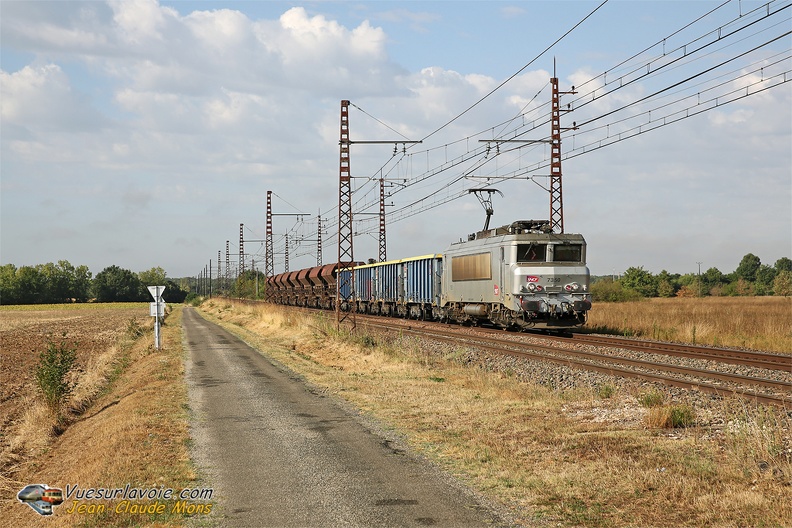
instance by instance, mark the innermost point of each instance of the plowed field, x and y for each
(26, 330)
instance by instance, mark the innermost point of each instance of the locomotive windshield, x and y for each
(531, 252)
(567, 253)
(557, 253)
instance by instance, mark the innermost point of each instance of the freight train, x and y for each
(518, 276)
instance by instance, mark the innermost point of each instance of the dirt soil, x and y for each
(25, 332)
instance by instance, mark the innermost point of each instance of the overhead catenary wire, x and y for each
(432, 198)
(683, 81)
(668, 103)
(515, 74)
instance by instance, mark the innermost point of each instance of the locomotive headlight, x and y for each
(573, 287)
(531, 287)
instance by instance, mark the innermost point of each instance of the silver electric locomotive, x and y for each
(519, 275)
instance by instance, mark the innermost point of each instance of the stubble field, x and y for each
(124, 423)
(25, 333)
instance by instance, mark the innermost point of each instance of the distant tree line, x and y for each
(63, 283)
(750, 278)
(250, 284)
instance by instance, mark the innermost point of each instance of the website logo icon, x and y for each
(40, 497)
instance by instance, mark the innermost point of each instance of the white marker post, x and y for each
(157, 310)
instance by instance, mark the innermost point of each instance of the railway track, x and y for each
(749, 358)
(610, 359)
(766, 390)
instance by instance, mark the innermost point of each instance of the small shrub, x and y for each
(606, 391)
(607, 290)
(55, 363)
(682, 416)
(134, 330)
(193, 299)
(651, 399)
(367, 341)
(670, 416)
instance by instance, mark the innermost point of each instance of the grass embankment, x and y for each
(125, 423)
(760, 323)
(555, 458)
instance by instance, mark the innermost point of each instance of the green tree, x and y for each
(765, 276)
(68, 283)
(741, 287)
(608, 290)
(712, 279)
(60, 281)
(667, 284)
(114, 284)
(748, 267)
(8, 284)
(782, 285)
(783, 264)
(665, 288)
(246, 285)
(173, 293)
(689, 281)
(81, 283)
(640, 280)
(44, 283)
(31, 285)
(153, 277)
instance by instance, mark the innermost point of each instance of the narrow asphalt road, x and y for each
(277, 453)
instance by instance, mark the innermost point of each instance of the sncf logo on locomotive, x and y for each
(531, 278)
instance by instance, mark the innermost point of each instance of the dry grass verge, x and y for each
(760, 323)
(127, 424)
(555, 458)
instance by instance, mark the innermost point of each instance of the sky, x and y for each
(142, 134)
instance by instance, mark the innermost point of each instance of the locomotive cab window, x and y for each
(567, 253)
(531, 252)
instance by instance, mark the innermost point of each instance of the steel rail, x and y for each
(732, 378)
(724, 355)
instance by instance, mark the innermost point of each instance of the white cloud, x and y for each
(741, 115)
(222, 30)
(141, 21)
(418, 21)
(42, 96)
(231, 110)
(144, 108)
(512, 11)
